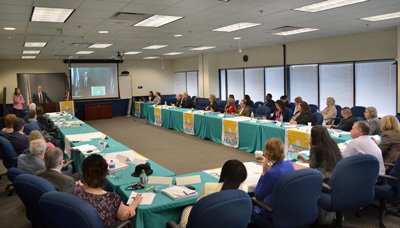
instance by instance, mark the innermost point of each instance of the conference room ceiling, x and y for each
(200, 17)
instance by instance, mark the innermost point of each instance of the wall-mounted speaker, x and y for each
(245, 58)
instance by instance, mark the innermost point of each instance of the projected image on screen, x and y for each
(94, 80)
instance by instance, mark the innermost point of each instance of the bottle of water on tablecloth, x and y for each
(289, 153)
(143, 178)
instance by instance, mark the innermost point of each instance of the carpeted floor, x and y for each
(176, 151)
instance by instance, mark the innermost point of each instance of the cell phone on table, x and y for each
(190, 187)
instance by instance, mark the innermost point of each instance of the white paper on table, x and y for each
(377, 137)
(85, 148)
(253, 175)
(290, 125)
(266, 121)
(130, 154)
(195, 179)
(147, 198)
(240, 118)
(345, 132)
(214, 172)
(306, 152)
(160, 180)
(303, 164)
(138, 161)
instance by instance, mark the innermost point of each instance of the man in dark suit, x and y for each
(242, 110)
(186, 101)
(53, 162)
(40, 97)
(32, 123)
(17, 138)
(346, 123)
(270, 103)
(178, 100)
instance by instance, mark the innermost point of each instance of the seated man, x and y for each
(32, 106)
(363, 144)
(17, 138)
(9, 123)
(186, 101)
(178, 100)
(242, 110)
(53, 162)
(346, 123)
(32, 123)
(33, 161)
(269, 102)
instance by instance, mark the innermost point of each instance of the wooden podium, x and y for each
(52, 107)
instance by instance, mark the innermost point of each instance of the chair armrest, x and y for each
(172, 224)
(261, 204)
(389, 164)
(326, 187)
(388, 177)
(123, 224)
(70, 162)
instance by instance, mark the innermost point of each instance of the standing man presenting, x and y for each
(40, 97)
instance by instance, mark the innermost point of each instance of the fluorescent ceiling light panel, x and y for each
(25, 52)
(84, 52)
(326, 5)
(151, 57)
(103, 32)
(178, 35)
(296, 31)
(44, 14)
(100, 45)
(28, 57)
(35, 44)
(174, 53)
(382, 17)
(132, 52)
(235, 27)
(156, 46)
(157, 21)
(9, 28)
(237, 38)
(202, 48)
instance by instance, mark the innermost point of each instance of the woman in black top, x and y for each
(305, 114)
(213, 104)
(249, 102)
(151, 96)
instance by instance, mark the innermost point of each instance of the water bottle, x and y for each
(323, 124)
(165, 103)
(111, 167)
(252, 115)
(289, 152)
(143, 178)
(102, 145)
(281, 118)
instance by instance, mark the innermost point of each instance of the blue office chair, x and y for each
(8, 153)
(318, 117)
(398, 117)
(338, 115)
(221, 106)
(257, 104)
(29, 189)
(290, 112)
(228, 208)
(237, 103)
(262, 111)
(389, 192)
(295, 194)
(25, 112)
(12, 173)
(202, 104)
(351, 185)
(251, 109)
(292, 106)
(358, 111)
(314, 108)
(65, 210)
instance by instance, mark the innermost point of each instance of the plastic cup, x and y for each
(258, 154)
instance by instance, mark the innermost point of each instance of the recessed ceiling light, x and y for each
(157, 21)
(132, 52)
(9, 28)
(156, 46)
(28, 57)
(202, 48)
(72, 57)
(382, 17)
(296, 31)
(100, 45)
(103, 32)
(235, 27)
(35, 44)
(44, 14)
(178, 35)
(84, 52)
(174, 53)
(151, 57)
(30, 52)
(326, 5)
(237, 38)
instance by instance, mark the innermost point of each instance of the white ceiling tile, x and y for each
(200, 5)
(101, 5)
(14, 9)
(178, 11)
(158, 2)
(70, 4)
(142, 8)
(85, 13)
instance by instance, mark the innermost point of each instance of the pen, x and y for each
(149, 188)
(189, 193)
(89, 151)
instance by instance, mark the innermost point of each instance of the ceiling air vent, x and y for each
(129, 16)
(286, 28)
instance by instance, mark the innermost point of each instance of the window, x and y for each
(304, 82)
(274, 82)
(222, 85)
(187, 82)
(235, 83)
(376, 86)
(254, 83)
(336, 80)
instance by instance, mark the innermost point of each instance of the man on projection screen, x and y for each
(40, 97)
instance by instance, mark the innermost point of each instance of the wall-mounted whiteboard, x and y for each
(125, 87)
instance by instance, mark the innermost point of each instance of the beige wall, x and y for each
(185, 64)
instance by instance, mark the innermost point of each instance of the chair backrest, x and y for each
(358, 111)
(263, 111)
(13, 172)
(290, 112)
(66, 210)
(314, 108)
(296, 195)
(251, 109)
(29, 189)
(228, 208)
(8, 153)
(221, 106)
(396, 173)
(353, 181)
(339, 111)
(292, 106)
(257, 104)
(318, 117)
(398, 117)
(237, 103)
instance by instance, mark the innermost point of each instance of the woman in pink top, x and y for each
(18, 101)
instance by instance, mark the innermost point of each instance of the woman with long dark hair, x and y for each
(18, 102)
(151, 96)
(324, 152)
(280, 109)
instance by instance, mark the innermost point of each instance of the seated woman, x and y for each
(280, 110)
(151, 97)
(324, 152)
(37, 135)
(233, 174)
(296, 112)
(248, 100)
(213, 104)
(329, 113)
(390, 139)
(157, 99)
(230, 107)
(108, 205)
(372, 119)
(273, 168)
(305, 114)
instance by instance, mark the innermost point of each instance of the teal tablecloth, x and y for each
(163, 208)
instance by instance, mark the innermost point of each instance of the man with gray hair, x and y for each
(186, 101)
(363, 144)
(178, 101)
(53, 160)
(40, 97)
(33, 161)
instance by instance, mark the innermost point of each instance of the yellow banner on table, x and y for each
(188, 123)
(230, 133)
(298, 140)
(137, 109)
(157, 116)
(67, 106)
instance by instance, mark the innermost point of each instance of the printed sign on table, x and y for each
(230, 133)
(137, 109)
(157, 116)
(299, 140)
(67, 106)
(188, 123)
